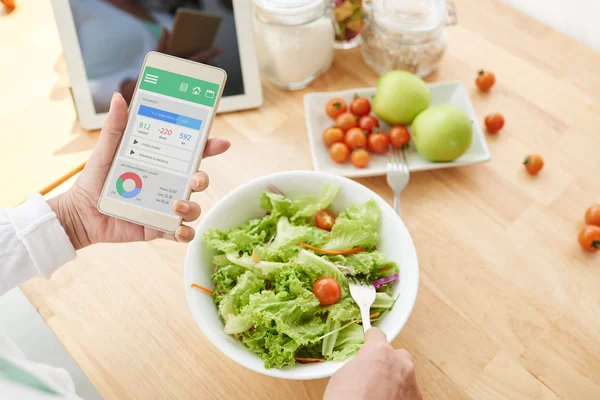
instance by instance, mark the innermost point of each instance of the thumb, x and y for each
(112, 131)
(375, 335)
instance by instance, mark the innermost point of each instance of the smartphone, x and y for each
(193, 31)
(170, 116)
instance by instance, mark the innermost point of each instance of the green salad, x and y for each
(280, 280)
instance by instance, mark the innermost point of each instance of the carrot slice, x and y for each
(374, 315)
(202, 288)
(333, 252)
(385, 268)
(308, 360)
(255, 257)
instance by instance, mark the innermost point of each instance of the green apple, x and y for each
(400, 97)
(442, 133)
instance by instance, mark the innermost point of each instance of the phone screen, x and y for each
(169, 118)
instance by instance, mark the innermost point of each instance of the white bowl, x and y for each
(241, 205)
(441, 93)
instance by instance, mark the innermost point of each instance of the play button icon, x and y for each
(135, 141)
(131, 152)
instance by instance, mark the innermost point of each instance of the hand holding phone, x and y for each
(170, 117)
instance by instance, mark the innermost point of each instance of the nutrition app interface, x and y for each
(168, 120)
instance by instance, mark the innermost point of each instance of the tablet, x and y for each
(105, 43)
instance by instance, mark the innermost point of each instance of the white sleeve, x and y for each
(32, 243)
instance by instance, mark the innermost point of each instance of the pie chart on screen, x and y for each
(129, 185)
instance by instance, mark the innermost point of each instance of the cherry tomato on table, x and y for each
(332, 135)
(494, 122)
(589, 238)
(360, 158)
(367, 123)
(355, 138)
(335, 107)
(378, 142)
(592, 215)
(324, 220)
(360, 106)
(485, 80)
(399, 136)
(327, 290)
(339, 152)
(534, 163)
(345, 121)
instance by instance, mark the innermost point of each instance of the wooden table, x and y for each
(508, 304)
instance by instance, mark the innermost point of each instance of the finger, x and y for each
(112, 131)
(375, 335)
(184, 234)
(188, 210)
(214, 147)
(163, 40)
(404, 355)
(199, 181)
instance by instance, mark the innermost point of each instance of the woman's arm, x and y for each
(32, 243)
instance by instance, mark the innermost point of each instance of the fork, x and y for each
(398, 174)
(364, 296)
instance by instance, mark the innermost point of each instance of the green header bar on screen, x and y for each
(179, 86)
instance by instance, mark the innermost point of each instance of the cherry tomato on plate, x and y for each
(367, 123)
(345, 121)
(332, 135)
(360, 106)
(485, 80)
(355, 138)
(360, 158)
(324, 219)
(399, 136)
(589, 238)
(534, 163)
(327, 290)
(592, 215)
(335, 107)
(494, 122)
(378, 142)
(339, 152)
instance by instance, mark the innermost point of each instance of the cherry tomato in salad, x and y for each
(360, 106)
(399, 136)
(378, 142)
(592, 215)
(335, 107)
(355, 138)
(346, 121)
(360, 158)
(324, 220)
(327, 290)
(485, 80)
(339, 152)
(589, 238)
(367, 123)
(494, 122)
(332, 135)
(534, 163)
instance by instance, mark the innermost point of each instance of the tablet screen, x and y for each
(115, 36)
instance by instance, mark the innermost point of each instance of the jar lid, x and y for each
(410, 15)
(290, 6)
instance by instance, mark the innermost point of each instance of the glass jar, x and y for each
(348, 23)
(294, 40)
(407, 35)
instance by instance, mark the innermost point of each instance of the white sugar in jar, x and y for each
(294, 40)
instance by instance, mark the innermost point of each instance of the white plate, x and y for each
(241, 205)
(441, 93)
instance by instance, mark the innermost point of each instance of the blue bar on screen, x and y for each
(173, 118)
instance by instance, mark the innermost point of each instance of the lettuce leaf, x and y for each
(307, 207)
(347, 234)
(367, 214)
(285, 245)
(243, 238)
(325, 267)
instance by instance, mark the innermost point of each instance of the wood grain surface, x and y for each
(508, 304)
